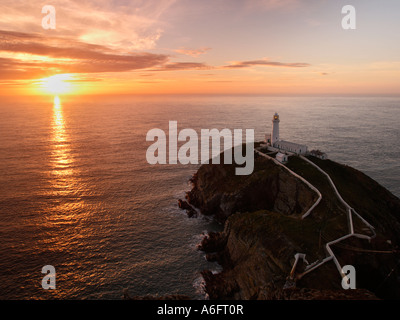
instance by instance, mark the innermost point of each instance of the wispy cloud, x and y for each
(28, 54)
(193, 52)
(272, 4)
(60, 55)
(265, 62)
(180, 66)
(176, 66)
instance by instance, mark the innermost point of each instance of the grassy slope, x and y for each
(264, 233)
(329, 219)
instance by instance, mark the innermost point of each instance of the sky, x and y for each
(279, 47)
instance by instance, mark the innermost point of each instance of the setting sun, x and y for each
(57, 84)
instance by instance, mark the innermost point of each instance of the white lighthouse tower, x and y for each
(275, 129)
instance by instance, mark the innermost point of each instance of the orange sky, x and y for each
(200, 47)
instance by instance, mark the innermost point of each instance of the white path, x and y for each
(350, 212)
(351, 233)
(299, 177)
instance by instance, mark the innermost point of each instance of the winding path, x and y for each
(351, 233)
(299, 177)
(350, 212)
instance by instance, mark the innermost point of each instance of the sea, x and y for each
(77, 192)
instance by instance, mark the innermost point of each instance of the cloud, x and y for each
(12, 69)
(129, 24)
(60, 55)
(179, 66)
(176, 66)
(265, 62)
(32, 56)
(193, 52)
(36, 55)
(272, 4)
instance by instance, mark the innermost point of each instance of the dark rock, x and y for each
(271, 292)
(212, 242)
(191, 212)
(217, 288)
(218, 191)
(212, 257)
(263, 230)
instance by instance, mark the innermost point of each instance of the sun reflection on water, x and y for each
(61, 153)
(66, 185)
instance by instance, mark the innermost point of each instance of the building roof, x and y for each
(317, 152)
(281, 157)
(287, 144)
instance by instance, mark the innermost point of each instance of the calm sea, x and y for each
(77, 193)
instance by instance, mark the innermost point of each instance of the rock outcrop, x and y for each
(218, 191)
(191, 212)
(263, 230)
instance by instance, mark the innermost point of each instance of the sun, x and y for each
(57, 84)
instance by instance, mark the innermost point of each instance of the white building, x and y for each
(281, 157)
(291, 147)
(319, 154)
(274, 140)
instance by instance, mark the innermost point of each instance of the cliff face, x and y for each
(254, 253)
(264, 230)
(218, 191)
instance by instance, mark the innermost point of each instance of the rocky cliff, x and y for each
(218, 191)
(263, 230)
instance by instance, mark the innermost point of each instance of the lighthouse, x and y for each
(275, 129)
(276, 143)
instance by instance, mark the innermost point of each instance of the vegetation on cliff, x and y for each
(264, 230)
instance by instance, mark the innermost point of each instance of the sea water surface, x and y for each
(76, 191)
